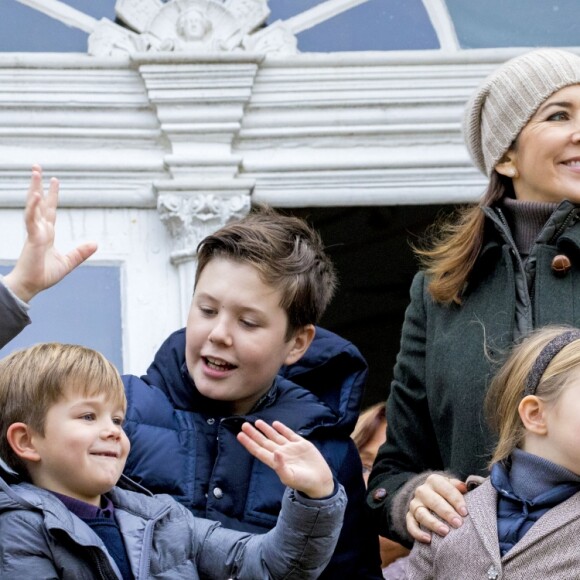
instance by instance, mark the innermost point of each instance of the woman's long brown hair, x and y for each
(454, 244)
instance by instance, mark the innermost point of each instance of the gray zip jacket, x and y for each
(42, 539)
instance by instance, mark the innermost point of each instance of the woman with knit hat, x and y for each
(503, 268)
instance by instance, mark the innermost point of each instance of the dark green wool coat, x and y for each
(449, 353)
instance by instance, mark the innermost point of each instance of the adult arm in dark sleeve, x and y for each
(13, 315)
(411, 451)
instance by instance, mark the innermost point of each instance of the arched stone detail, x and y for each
(190, 26)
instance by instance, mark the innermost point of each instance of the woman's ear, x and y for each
(21, 439)
(532, 412)
(301, 340)
(507, 165)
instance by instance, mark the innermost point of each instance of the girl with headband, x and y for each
(523, 519)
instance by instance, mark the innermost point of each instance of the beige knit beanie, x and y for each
(508, 98)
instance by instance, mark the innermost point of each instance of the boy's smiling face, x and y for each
(83, 451)
(236, 335)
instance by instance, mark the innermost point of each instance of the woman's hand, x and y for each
(439, 495)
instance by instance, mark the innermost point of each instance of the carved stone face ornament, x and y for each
(188, 25)
(193, 26)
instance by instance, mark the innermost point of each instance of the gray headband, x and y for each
(545, 358)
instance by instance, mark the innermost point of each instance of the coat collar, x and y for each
(553, 520)
(557, 230)
(482, 506)
(332, 370)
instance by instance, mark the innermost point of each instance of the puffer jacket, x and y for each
(449, 353)
(42, 539)
(182, 444)
(13, 315)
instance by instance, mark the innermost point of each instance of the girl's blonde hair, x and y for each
(507, 387)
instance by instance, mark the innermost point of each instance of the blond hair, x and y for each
(507, 387)
(35, 378)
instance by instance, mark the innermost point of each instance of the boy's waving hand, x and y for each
(297, 462)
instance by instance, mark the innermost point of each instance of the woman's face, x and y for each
(547, 152)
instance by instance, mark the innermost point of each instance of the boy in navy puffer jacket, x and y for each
(250, 351)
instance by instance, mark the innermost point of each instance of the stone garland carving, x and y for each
(191, 218)
(191, 25)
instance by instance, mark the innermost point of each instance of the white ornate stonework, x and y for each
(190, 26)
(192, 214)
(190, 218)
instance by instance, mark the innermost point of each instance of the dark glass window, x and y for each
(85, 308)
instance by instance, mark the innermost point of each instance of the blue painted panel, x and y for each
(85, 308)
(497, 23)
(23, 29)
(375, 25)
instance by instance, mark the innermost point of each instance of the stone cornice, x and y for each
(304, 130)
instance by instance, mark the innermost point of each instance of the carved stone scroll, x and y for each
(190, 218)
(184, 26)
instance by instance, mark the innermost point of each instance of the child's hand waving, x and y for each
(297, 462)
(41, 265)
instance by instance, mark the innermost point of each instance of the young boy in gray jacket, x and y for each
(62, 515)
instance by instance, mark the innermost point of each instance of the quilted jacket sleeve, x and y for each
(299, 546)
(24, 551)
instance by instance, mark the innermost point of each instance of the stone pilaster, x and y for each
(191, 211)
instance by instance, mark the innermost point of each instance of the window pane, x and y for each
(85, 308)
(375, 25)
(497, 23)
(23, 29)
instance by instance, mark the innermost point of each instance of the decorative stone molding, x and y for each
(200, 106)
(190, 26)
(190, 217)
(191, 210)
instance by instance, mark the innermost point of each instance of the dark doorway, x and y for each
(371, 248)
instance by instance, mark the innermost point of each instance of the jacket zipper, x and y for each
(572, 215)
(98, 558)
(529, 291)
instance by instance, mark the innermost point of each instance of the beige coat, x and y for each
(549, 551)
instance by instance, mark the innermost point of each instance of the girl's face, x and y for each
(561, 441)
(547, 153)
